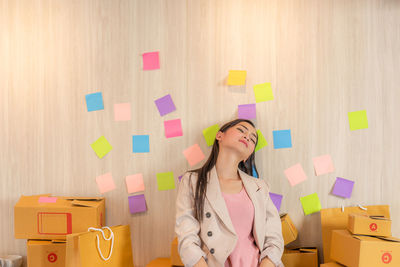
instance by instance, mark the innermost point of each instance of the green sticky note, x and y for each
(210, 133)
(358, 120)
(311, 204)
(165, 181)
(263, 92)
(262, 142)
(101, 146)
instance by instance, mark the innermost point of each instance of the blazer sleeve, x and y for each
(187, 227)
(273, 242)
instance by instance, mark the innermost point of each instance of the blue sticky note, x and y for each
(140, 144)
(282, 139)
(94, 101)
(254, 172)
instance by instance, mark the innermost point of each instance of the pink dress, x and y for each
(241, 211)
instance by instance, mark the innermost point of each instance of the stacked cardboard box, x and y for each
(45, 222)
(366, 242)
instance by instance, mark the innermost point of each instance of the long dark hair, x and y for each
(248, 166)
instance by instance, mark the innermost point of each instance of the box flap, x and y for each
(85, 203)
(85, 198)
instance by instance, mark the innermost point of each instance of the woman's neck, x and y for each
(227, 166)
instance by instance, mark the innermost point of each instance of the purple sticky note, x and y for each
(47, 199)
(165, 105)
(151, 61)
(276, 199)
(343, 187)
(137, 203)
(180, 177)
(247, 112)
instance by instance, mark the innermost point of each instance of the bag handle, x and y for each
(98, 242)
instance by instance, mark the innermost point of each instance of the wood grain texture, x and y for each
(323, 58)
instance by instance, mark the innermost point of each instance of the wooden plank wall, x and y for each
(323, 59)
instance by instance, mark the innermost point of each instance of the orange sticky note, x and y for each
(105, 183)
(237, 77)
(122, 112)
(134, 183)
(295, 174)
(193, 154)
(323, 164)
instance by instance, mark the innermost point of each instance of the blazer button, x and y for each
(209, 233)
(208, 215)
(212, 251)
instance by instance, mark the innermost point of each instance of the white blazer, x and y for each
(215, 238)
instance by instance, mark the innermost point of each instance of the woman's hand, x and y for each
(201, 263)
(266, 262)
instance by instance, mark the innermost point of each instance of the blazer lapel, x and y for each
(216, 200)
(252, 189)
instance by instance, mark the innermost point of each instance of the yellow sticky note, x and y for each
(101, 146)
(263, 92)
(310, 203)
(262, 142)
(165, 181)
(237, 77)
(210, 133)
(358, 120)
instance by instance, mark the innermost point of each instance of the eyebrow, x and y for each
(248, 129)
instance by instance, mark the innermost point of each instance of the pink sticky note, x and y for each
(295, 174)
(193, 154)
(323, 164)
(47, 199)
(105, 183)
(151, 61)
(122, 112)
(134, 183)
(173, 128)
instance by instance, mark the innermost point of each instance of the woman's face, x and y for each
(241, 137)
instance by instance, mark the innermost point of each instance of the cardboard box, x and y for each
(160, 262)
(289, 232)
(362, 224)
(301, 257)
(46, 253)
(331, 264)
(175, 258)
(44, 220)
(364, 251)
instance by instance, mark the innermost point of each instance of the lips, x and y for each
(244, 142)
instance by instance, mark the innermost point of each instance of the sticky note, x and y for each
(282, 139)
(151, 61)
(193, 154)
(263, 92)
(173, 128)
(134, 183)
(261, 142)
(209, 134)
(237, 77)
(137, 203)
(101, 146)
(47, 199)
(254, 173)
(276, 199)
(140, 144)
(295, 174)
(105, 183)
(310, 203)
(247, 112)
(343, 187)
(94, 101)
(165, 105)
(358, 120)
(122, 112)
(323, 164)
(165, 181)
(180, 177)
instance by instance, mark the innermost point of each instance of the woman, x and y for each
(224, 216)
